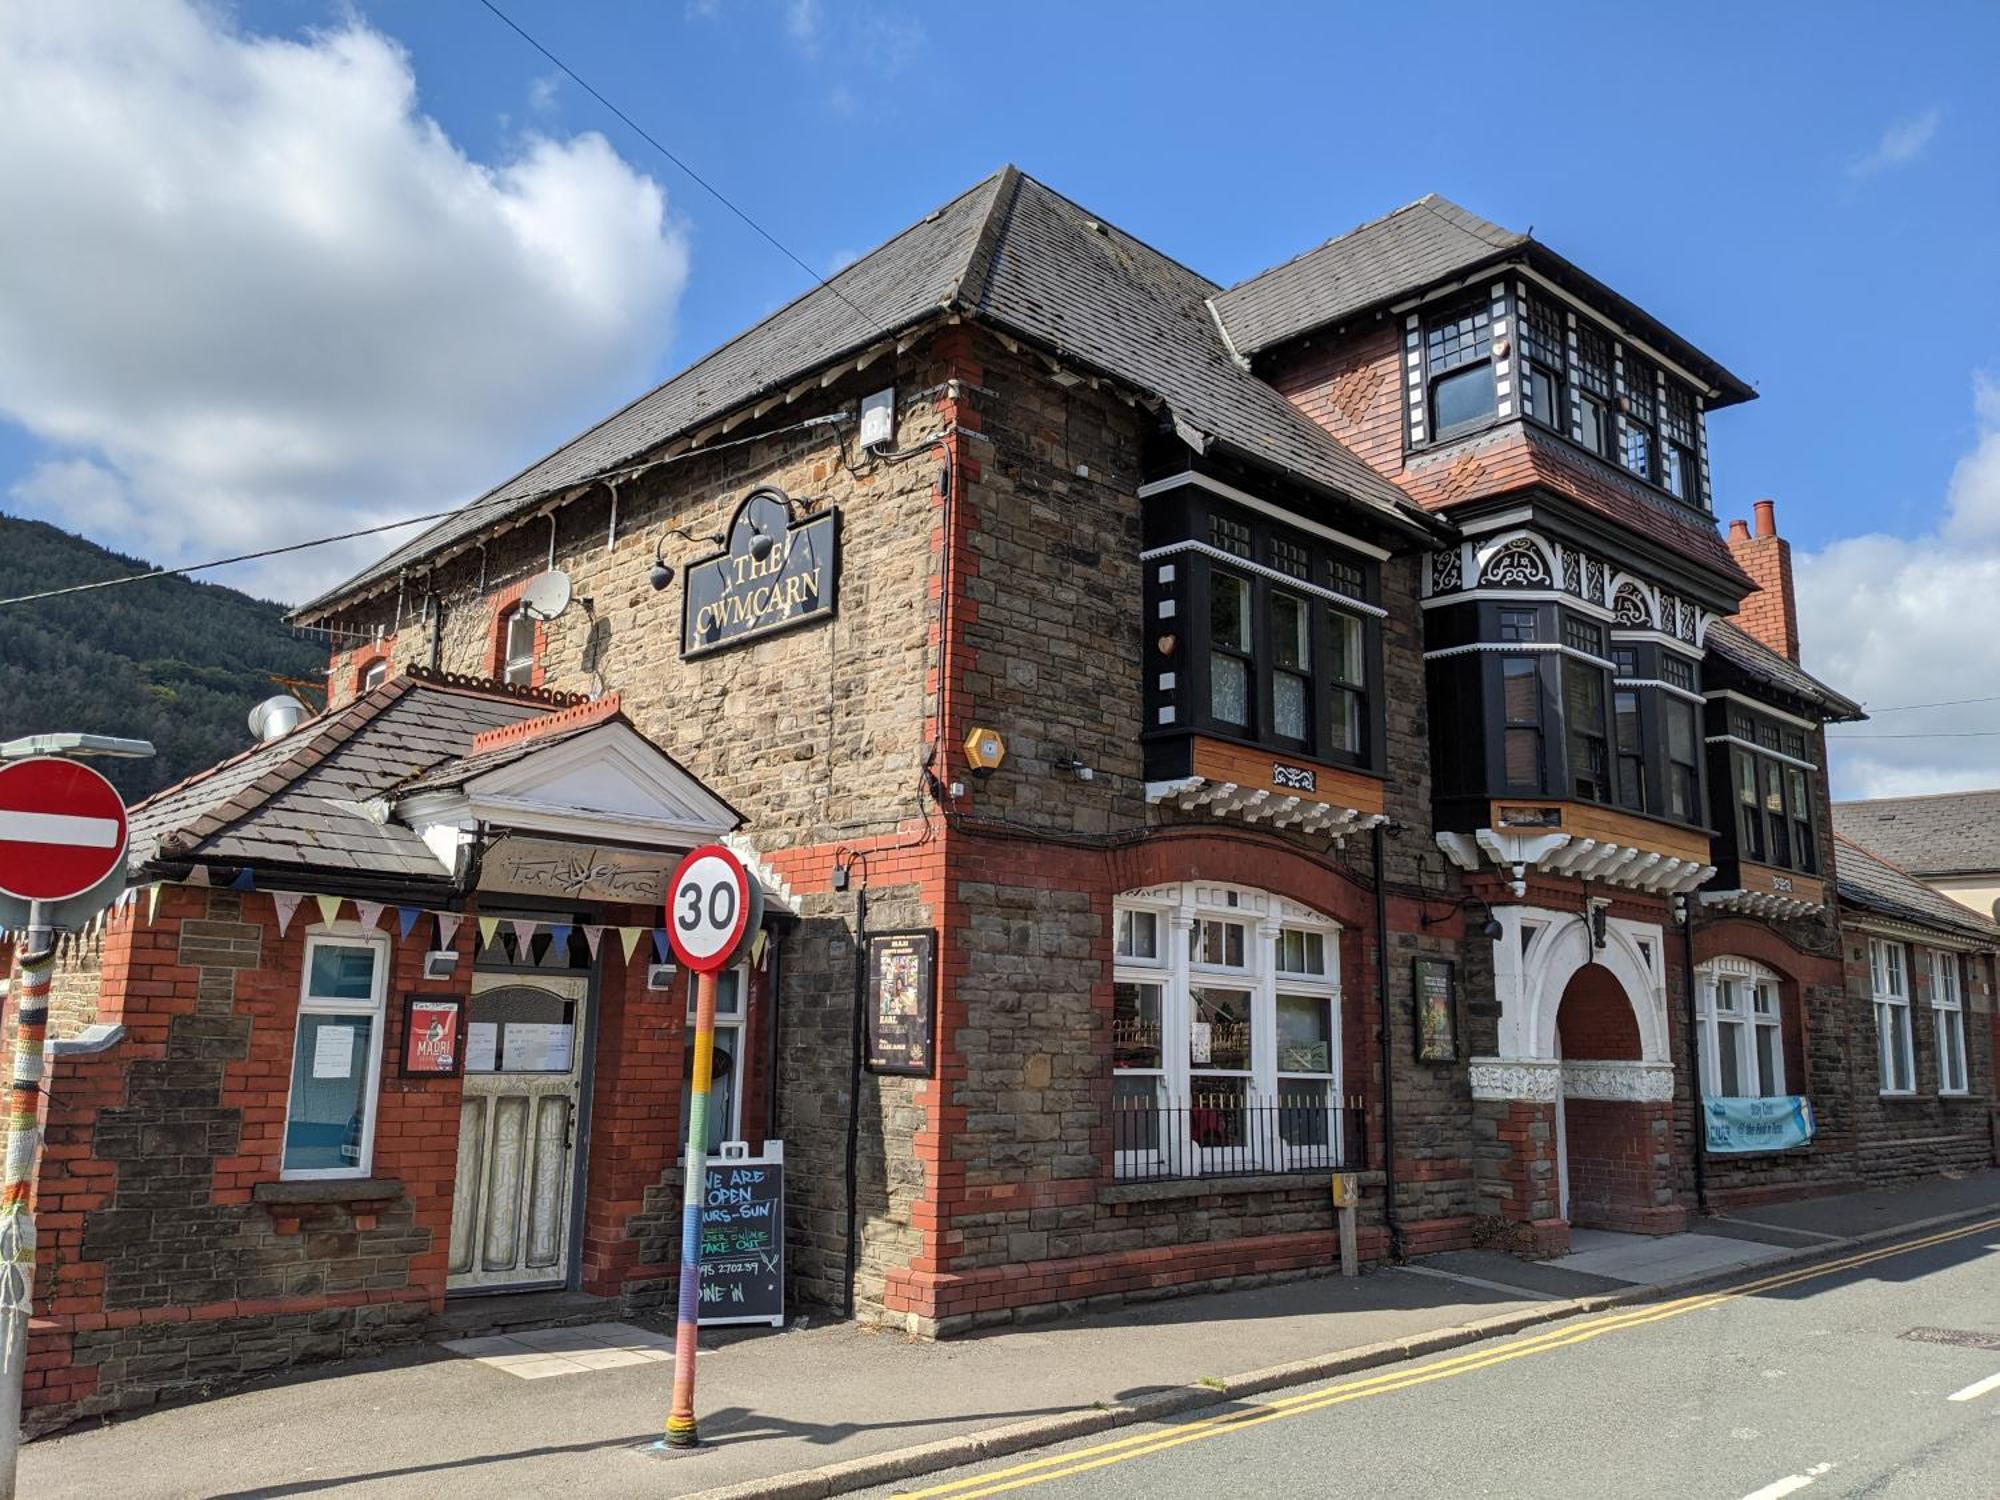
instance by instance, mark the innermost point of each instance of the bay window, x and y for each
(1225, 1034)
(1772, 792)
(1889, 967)
(1584, 712)
(1741, 1028)
(1948, 1010)
(336, 1055)
(1230, 664)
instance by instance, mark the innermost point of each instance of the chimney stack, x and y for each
(1771, 614)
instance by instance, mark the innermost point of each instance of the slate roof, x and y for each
(1867, 880)
(1419, 245)
(1016, 254)
(1951, 833)
(299, 800)
(1754, 659)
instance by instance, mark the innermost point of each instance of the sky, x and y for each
(289, 267)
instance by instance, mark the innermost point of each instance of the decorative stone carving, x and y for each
(1504, 1078)
(1518, 564)
(1621, 1082)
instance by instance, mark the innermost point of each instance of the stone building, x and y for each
(1309, 725)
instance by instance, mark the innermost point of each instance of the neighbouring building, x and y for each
(1950, 841)
(1192, 740)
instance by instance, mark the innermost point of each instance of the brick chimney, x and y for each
(1771, 614)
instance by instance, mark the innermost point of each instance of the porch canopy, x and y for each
(430, 787)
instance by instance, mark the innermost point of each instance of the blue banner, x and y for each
(1739, 1125)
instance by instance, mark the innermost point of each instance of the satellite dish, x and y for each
(546, 596)
(275, 718)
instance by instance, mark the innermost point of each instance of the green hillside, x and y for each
(171, 661)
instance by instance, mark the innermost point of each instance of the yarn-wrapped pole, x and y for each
(17, 1219)
(680, 1417)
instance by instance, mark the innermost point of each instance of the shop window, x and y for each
(1458, 368)
(336, 1056)
(1225, 1048)
(517, 658)
(725, 1088)
(1895, 1049)
(1948, 1010)
(1740, 1023)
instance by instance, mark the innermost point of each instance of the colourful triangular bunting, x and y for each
(368, 913)
(592, 936)
(447, 924)
(628, 939)
(329, 908)
(406, 918)
(487, 927)
(286, 902)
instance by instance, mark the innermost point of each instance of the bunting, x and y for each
(244, 880)
(660, 945)
(447, 925)
(523, 929)
(559, 936)
(628, 939)
(152, 902)
(368, 913)
(286, 902)
(406, 918)
(329, 908)
(592, 936)
(487, 927)
(198, 875)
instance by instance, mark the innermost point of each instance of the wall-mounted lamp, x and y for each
(762, 541)
(661, 573)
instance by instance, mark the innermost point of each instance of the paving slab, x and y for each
(1649, 1260)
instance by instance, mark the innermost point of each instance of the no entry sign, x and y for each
(62, 829)
(711, 904)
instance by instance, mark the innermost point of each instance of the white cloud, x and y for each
(542, 92)
(1895, 621)
(250, 293)
(802, 21)
(1902, 143)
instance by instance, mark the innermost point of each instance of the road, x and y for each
(1803, 1383)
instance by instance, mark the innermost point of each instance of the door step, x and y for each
(504, 1312)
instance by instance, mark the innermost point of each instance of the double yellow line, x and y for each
(1139, 1445)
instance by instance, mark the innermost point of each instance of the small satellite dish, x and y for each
(546, 596)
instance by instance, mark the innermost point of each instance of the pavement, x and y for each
(828, 1408)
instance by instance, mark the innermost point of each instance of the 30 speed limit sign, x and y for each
(712, 907)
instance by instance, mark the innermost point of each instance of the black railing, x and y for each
(1229, 1135)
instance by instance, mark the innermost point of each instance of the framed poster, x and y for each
(1437, 1010)
(902, 1010)
(433, 1046)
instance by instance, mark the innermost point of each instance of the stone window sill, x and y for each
(327, 1190)
(1166, 1188)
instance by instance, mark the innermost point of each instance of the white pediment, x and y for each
(607, 783)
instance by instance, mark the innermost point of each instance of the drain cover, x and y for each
(1963, 1338)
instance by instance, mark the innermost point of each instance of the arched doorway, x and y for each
(1610, 1138)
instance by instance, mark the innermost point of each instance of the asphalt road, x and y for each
(1798, 1383)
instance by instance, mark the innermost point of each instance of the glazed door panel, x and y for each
(514, 1189)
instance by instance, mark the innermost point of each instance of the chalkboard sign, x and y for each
(743, 1236)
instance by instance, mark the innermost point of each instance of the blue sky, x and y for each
(1806, 191)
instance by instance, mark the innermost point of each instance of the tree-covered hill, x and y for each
(168, 660)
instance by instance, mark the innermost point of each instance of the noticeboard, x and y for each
(901, 1013)
(743, 1236)
(1437, 1010)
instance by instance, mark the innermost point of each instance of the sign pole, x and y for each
(680, 1419)
(17, 1220)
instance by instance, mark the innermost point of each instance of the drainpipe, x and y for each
(1389, 1214)
(1690, 1024)
(854, 1096)
(774, 978)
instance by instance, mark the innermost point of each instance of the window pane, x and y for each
(342, 971)
(1521, 687)
(1301, 952)
(1229, 689)
(1458, 337)
(1727, 996)
(1135, 1113)
(329, 1091)
(1639, 451)
(1346, 663)
(1229, 611)
(1291, 632)
(1523, 751)
(1303, 1116)
(1768, 1056)
(1462, 399)
(1220, 1038)
(1729, 1044)
(1220, 943)
(1216, 1114)
(1347, 720)
(1305, 1034)
(1135, 1026)
(722, 1089)
(1545, 403)
(1288, 706)
(1595, 433)
(1138, 934)
(1517, 625)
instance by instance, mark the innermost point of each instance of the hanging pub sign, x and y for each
(431, 1042)
(901, 1013)
(774, 573)
(1437, 1011)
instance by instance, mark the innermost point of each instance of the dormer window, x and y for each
(1642, 440)
(1458, 368)
(1546, 378)
(1680, 467)
(517, 661)
(1595, 390)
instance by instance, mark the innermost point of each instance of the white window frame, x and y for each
(1734, 993)
(375, 674)
(736, 1026)
(1948, 1011)
(1177, 909)
(517, 669)
(1889, 970)
(340, 935)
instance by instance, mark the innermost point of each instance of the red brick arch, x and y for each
(1247, 859)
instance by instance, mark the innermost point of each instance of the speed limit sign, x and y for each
(712, 904)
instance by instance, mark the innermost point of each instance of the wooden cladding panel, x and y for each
(1262, 770)
(1789, 883)
(1608, 826)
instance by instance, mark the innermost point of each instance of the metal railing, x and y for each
(1234, 1135)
